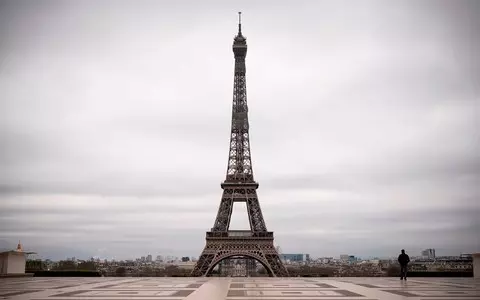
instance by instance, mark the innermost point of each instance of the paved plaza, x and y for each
(167, 288)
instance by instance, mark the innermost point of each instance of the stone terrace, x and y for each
(167, 288)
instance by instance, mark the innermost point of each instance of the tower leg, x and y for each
(203, 264)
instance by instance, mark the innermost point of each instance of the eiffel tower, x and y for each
(239, 186)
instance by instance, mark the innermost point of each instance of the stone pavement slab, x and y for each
(173, 288)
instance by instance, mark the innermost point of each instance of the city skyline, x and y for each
(115, 123)
(179, 256)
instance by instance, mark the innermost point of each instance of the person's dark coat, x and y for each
(403, 259)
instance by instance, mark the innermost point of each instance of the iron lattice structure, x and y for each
(239, 186)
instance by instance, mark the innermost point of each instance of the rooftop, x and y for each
(167, 288)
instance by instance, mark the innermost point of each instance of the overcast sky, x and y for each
(115, 120)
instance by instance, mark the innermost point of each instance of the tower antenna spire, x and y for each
(240, 23)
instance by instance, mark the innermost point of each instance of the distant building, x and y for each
(476, 265)
(428, 253)
(325, 260)
(13, 262)
(189, 265)
(149, 258)
(344, 257)
(295, 257)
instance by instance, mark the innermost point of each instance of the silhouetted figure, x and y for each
(403, 260)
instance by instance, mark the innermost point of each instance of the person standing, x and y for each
(403, 260)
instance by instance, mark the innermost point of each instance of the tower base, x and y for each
(247, 244)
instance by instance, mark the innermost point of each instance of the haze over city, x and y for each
(115, 121)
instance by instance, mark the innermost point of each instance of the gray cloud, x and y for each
(114, 124)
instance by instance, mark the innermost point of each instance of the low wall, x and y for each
(439, 274)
